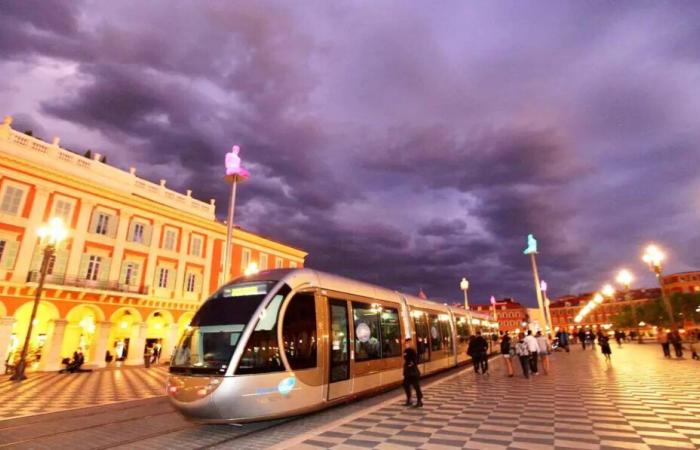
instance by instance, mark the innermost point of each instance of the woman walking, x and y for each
(662, 338)
(544, 349)
(523, 354)
(604, 343)
(507, 351)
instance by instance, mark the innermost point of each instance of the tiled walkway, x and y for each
(640, 402)
(50, 392)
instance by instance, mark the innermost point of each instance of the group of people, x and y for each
(72, 365)
(529, 349)
(151, 354)
(673, 338)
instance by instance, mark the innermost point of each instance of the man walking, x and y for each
(523, 354)
(533, 348)
(411, 374)
(582, 338)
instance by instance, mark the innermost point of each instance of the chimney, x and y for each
(132, 171)
(189, 192)
(162, 183)
(56, 141)
(96, 156)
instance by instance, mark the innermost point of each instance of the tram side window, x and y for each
(446, 332)
(262, 352)
(462, 330)
(366, 322)
(435, 339)
(299, 331)
(391, 333)
(420, 322)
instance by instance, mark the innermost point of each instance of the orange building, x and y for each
(138, 261)
(683, 282)
(509, 313)
(565, 309)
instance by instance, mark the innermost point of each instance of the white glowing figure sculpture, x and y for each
(233, 164)
(531, 245)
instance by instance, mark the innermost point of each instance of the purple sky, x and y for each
(404, 143)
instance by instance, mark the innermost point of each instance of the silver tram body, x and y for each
(286, 342)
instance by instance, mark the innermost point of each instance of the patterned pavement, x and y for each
(51, 392)
(640, 401)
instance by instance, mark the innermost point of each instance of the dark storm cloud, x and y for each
(397, 143)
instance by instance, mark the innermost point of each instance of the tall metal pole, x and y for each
(537, 286)
(229, 232)
(19, 375)
(466, 300)
(667, 302)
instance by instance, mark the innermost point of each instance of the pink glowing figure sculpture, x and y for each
(234, 168)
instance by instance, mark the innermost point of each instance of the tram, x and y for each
(290, 341)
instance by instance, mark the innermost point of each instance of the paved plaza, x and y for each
(641, 401)
(52, 392)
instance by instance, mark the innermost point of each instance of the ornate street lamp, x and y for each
(464, 286)
(653, 256)
(51, 235)
(235, 173)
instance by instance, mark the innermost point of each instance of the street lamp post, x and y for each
(235, 173)
(625, 278)
(532, 251)
(653, 257)
(550, 322)
(51, 235)
(464, 286)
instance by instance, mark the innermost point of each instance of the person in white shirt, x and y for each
(544, 348)
(534, 349)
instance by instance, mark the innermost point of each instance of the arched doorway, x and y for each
(80, 330)
(46, 312)
(124, 320)
(159, 334)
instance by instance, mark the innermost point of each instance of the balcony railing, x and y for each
(74, 281)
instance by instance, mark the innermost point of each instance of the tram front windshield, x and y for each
(209, 341)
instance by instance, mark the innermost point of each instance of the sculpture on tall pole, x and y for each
(235, 173)
(532, 251)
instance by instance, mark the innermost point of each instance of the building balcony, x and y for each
(81, 282)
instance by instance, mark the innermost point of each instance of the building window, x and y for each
(435, 338)
(63, 210)
(130, 273)
(93, 269)
(163, 277)
(293, 264)
(278, 263)
(102, 224)
(2, 249)
(11, 200)
(191, 282)
(196, 246)
(245, 258)
(263, 261)
(170, 237)
(299, 331)
(139, 229)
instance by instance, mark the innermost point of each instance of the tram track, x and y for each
(153, 423)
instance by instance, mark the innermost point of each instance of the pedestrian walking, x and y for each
(675, 339)
(411, 374)
(582, 338)
(523, 354)
(694, 345)
(478, 350)
(662, 339)
(604, 343)
(563, 337)
(618, 338)
(533, 348)
(544, 348)
(508, 351)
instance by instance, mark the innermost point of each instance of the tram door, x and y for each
(339, 383)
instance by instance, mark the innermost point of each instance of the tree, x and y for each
(625, 318)
(88, 154)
